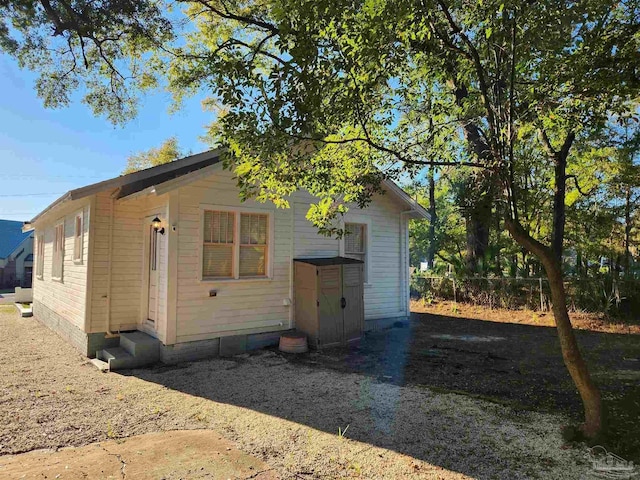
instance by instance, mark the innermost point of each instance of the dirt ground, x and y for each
(194, 454)
(515, 364)
(304, 421)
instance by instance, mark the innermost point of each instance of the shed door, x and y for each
(152, 308)
(352, 291)
(330, 323)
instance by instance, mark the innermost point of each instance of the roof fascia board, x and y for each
(142, 193)
(420, 211)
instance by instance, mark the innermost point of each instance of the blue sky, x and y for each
(44, 151)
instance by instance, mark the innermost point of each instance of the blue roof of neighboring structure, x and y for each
(10, 236)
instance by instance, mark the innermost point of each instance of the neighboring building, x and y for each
(209, 268)
(16, 255)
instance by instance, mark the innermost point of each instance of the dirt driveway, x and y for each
(288, 415)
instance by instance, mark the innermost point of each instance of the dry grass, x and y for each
(580, 320)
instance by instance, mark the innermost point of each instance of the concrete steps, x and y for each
(137, 349)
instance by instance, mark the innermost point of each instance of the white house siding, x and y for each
(66, 297)
(242, 306)
(385, 292)
(127, 252)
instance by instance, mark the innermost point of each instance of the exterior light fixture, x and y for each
(157, 224)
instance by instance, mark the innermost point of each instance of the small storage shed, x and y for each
(329, 299)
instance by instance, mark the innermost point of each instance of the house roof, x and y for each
(11, 236)
(136, 182)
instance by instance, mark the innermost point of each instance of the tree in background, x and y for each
(335, 96)
(168, 152)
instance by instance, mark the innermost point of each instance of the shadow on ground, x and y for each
(384, 399)
(511, 364)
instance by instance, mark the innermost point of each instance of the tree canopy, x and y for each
(165, 153)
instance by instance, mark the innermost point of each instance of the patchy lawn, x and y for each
(285, 413)
(514, 364)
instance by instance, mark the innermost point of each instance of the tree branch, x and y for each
(239, 18)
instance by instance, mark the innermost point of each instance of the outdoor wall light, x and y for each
(156, 223)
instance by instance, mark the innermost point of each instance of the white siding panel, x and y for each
(384, 293)
(66, 297)
(127, 263)
(239, 306)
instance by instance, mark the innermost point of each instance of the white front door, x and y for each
(154, 257)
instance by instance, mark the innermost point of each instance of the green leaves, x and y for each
(165, 153)
(334, 96)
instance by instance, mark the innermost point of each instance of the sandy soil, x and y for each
(286, 414)
(193, 454)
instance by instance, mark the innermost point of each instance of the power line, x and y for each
(45, 176)
(29, 194)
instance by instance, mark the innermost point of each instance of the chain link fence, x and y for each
(604, 295)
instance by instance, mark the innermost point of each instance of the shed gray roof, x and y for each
(11, 236)
(325, 261)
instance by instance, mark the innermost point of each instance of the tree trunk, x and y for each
(497, 267)
(477, 221)
(557, 237)
(431, 251)
(573, 360)
(478, 195)
(559, 158)
(477, 242)
(627, 233)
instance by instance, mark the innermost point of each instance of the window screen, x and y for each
(217, 255)
(253, 244)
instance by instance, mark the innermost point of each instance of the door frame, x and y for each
(143, 324)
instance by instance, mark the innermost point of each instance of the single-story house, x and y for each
(171, 251)
(16, 255)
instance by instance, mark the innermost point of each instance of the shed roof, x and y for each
(11, 236)
(323, 262)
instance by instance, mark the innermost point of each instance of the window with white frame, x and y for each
(218, 252)
(77, 238)
(235, 244)
(58, 251)
(355, 243)
(40, 256)
(253, 244)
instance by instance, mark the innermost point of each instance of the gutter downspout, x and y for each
(404, 259)
(110, 334)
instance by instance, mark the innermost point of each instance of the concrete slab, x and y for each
(190, 454)
(100, 365)
(25, 311)
(7, 298)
